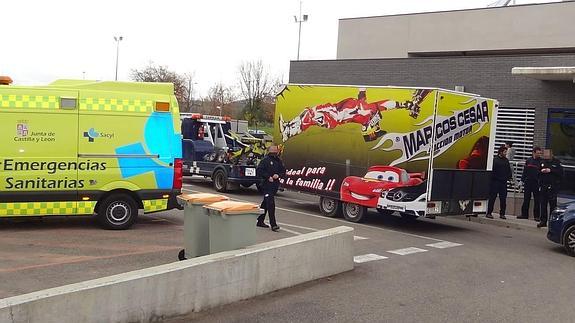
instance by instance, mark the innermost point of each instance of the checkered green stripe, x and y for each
(29, 101)
(116, 105)
(47, 208)
(155, 205)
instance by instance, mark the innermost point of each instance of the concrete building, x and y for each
(523, 55)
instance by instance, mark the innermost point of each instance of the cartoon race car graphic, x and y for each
(407, 200)
(367, 190)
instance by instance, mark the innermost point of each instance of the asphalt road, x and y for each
(441, 270)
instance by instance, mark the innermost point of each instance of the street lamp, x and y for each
(118, 39)
(219, 108)
(299, 20)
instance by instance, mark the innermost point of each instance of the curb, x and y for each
(529, 225)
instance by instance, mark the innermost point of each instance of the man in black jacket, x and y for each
(501, 173)
(549, 181)
(530, 179)
(270, 169)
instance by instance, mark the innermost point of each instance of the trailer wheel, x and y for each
(353, 212)
(329, 207)
(117, 212)
(220, 181)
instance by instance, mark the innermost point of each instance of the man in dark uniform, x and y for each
(530, 179)
(549, 180)
(501, 173)
(270, 169)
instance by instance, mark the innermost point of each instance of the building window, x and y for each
(561, 139)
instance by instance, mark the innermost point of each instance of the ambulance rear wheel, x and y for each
(220, 181)
(329, 207)
(354, 213)
(117, 212)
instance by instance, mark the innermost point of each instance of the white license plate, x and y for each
(395, 208)
(250, 172)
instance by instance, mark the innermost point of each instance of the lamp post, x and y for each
(299, 20)
(219, 108)
(118, 39)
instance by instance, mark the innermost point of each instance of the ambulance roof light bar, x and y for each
(5, 80)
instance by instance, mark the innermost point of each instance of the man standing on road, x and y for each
(530, 179)
(550, 178)
(500, 175)
(270, 169)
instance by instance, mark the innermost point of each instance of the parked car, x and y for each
(562, 227)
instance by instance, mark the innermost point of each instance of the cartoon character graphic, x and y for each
(350, 110)
(477, 158)
(366, 190)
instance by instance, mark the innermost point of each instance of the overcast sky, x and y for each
(47, 40)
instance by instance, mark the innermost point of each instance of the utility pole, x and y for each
(299, 20)
(118, 39)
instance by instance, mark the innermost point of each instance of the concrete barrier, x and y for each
(183, 287)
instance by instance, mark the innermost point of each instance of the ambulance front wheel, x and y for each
(354, 213)
(117, 212)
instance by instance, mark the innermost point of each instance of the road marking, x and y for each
(338, 220)
(299, 226)
(355, 238)
(291, 231)
(444, 244)
(367, 258)
(407, 251)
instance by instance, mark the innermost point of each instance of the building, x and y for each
(523, 55)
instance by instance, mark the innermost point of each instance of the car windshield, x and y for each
(383, 176)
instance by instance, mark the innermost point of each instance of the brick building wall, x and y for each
(488, 75)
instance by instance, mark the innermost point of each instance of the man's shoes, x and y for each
(275, 228)
(537, 219)
(541, 225)
(502, 217)
(522, 217)
(262, 225)
(489, 216)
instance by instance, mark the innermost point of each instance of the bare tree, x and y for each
(159, 73)
(188, 95)
(255, 86)
(221, 96)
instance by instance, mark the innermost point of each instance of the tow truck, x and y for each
(211, 149)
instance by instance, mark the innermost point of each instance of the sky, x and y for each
(47, 40)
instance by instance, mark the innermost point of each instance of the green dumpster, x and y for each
(232, 225)
(196, 232)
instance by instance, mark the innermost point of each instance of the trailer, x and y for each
(220, 148)
(420, 152)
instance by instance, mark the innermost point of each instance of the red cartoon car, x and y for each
(366, 190)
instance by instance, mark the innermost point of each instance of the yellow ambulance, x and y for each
(79, 147)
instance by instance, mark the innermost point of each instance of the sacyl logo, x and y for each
(92, 134)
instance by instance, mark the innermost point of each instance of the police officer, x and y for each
(499, 176)
(549, 180)
(270, 169)
(530, 179)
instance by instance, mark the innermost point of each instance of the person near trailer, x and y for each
(549, 181)
(271, 169)
(500, 175)
(530, 179)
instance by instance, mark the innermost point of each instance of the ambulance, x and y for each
(79, 147)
